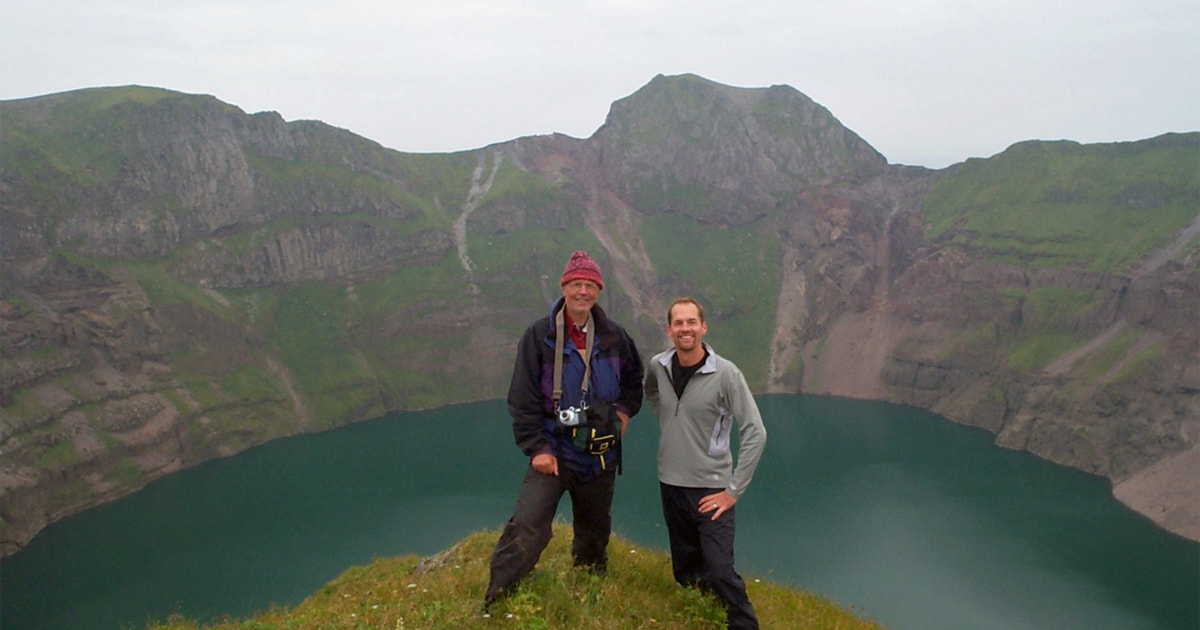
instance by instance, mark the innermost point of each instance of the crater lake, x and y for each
(895, 513)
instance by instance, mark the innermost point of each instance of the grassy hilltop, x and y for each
(446, 591)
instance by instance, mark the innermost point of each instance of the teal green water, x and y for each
(900, 515)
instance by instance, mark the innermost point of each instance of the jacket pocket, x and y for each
(718, 444)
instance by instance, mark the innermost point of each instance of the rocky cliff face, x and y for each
(182, 281)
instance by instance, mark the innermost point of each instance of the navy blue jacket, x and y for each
(616, 377)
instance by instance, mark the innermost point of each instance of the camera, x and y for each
(570, 417)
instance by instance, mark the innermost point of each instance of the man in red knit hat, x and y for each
(576, 382)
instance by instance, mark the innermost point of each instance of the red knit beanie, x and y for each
(582, 267)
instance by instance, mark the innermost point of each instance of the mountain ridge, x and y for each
(172, 264)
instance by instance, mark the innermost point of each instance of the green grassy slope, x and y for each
(446, 591)
(1100, 207)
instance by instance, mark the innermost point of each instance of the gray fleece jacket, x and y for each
(694, 439)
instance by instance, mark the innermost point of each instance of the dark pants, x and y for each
(528, 531)
(702, 551)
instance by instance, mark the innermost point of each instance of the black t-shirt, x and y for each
(681, 375)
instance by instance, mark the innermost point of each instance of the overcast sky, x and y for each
(928, 82)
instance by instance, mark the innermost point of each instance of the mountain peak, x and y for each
(732, 153)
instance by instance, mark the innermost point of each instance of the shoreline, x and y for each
(1168, 493)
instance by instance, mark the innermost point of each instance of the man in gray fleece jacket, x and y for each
(698, 395)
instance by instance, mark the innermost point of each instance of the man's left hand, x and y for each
(717, 504)
(624, 422)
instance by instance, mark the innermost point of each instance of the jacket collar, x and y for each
(710, 362)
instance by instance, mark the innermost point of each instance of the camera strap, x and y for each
(559, 331)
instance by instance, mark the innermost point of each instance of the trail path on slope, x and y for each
(1160, 258)
(1154, 261)
(1064, 363)
(303, 417)
(478, 189)
(614, 224)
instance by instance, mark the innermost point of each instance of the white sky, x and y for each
(928, 82)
